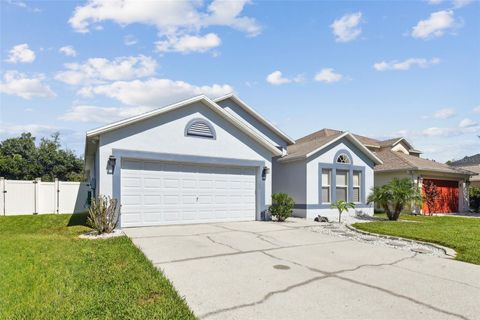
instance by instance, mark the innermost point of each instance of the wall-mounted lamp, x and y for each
(265, 171)
(111, 164)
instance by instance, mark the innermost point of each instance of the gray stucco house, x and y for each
(195, 161)
(323, 167)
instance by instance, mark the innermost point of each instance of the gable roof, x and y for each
(399, 161)
(315, 142)
(201, 98)
(256, 115)
(467, 161)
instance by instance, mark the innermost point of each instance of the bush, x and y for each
(103, 214)
(282, 206)
(474, 193)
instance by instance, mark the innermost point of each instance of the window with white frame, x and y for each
(357, 182)
(326, 185)
(341, 190)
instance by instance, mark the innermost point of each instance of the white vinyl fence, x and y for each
(36, 197)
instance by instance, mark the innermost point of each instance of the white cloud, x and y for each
(434, 2)
(129, 40)
(23, 5)
(277, 78)
(476, 110)
(187, 43)
(457, 4)
(33, 128)
(406, 64)
(467, 123)
(99, 70)
(153, 92)
(347, 27)
(173, 19)
(445, 113)
(21, 53)
(89, 113)
(21, 85)
(449, 132)
(328, 75)
(435, 26)
(68, 51)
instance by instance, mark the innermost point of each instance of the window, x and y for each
(357, 181)
(343, 158)
(326, 178)
(200, 128)
(342, 185)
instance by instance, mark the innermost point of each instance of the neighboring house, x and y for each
(402, 160)
(194, 161)
(471, 163)
(323, 167)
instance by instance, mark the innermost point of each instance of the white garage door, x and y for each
(156, 193)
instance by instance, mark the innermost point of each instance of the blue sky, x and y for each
(380, 69)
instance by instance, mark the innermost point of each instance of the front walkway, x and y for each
(267, 270)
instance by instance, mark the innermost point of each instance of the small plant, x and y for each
(430, 195)
(103, 214)
(342, 206)
(282, 206)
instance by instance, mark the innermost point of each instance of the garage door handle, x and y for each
(197, 198)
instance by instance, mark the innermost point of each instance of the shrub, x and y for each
(282, 206)
(103, 214)
(430, 196)
(474, 193)
(394, 196)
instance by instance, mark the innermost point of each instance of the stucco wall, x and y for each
(165, 134)
(240, 113)
(328, 156)
(290, 178)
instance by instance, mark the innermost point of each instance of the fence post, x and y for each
(57, 196)
(3, 192)
(36, 194)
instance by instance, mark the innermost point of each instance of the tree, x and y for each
(21, 159)
(342, 206)
(282, 206)
(430, 195)
(394, 196)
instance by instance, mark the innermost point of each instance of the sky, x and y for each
(376, 68)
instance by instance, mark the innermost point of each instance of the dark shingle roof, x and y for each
(467, 161)
(395, 161)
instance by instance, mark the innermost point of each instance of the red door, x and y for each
(447, 201)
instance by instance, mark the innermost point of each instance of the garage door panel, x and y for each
(157, 193)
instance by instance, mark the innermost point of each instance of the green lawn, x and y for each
(460, 234)
(47, 272)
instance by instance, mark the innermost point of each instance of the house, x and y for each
(199, 160)
(323, 167)
(471, 163)
(310, 172)
(401, 160)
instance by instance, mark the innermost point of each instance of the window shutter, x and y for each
(200, 128)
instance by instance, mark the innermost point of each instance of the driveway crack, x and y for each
(223, 244)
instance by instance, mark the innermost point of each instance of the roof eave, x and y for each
(256, 115)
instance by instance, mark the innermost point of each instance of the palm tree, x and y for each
(341, 206)
(394, 196)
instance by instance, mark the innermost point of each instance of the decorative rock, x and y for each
(93, 235)
(396, 244)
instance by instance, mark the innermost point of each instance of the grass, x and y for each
(47, 272)
(460, 234)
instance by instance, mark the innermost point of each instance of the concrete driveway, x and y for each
(267, 270)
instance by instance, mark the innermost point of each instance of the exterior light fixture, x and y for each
(111, 164)
(265, 171)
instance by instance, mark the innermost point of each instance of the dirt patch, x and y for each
(149, 298)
